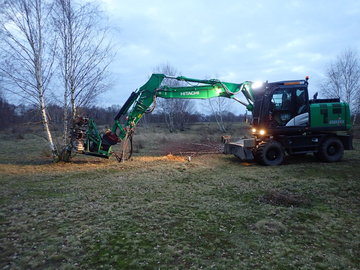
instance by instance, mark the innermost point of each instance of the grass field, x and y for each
(160, 211)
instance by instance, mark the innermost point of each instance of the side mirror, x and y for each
(315, 95)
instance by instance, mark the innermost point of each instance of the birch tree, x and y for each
(342, 80)
(175, 111)
(28, 54)
(219, 106)
(83, 55)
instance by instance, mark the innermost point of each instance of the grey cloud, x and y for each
(235, 40)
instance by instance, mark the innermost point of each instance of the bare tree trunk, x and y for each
(73, 106)
(219, 122)
(84, 54)
(39, 78)
(65, 121)
(220, 112)
(169, 120)
(46, 126)
(218, 109)
(29, 54)
(355, 116)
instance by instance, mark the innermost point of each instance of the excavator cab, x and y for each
(282, 106)
(285, 120)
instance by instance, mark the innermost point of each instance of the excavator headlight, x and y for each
(253, 130)
(262, 132)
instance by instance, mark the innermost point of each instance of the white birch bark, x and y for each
(46, 126)
(28, 65)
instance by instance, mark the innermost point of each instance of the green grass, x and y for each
(162, 213)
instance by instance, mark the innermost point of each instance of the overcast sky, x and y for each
(232, 40)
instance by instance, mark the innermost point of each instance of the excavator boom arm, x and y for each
(141, 101)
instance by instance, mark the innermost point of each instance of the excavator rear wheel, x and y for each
(270, 153)
(331, 150)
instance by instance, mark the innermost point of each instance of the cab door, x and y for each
(287, 106)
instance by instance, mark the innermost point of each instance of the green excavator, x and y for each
(284, 120)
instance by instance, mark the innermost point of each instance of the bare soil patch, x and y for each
(189, 148)
(285, 198)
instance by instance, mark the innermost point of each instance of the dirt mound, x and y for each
(188, 148)
(284, 198)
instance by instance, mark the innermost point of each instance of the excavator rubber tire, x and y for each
(270, 153)
(331, 150)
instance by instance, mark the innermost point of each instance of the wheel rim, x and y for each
(332, 149)
(273, 154)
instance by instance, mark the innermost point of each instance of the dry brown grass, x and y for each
(81, 165)
(164, 212)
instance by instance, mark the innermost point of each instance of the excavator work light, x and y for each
(256, 85)
(262, 132)
(253, 130)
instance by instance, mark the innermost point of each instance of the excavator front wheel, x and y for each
(269, 153)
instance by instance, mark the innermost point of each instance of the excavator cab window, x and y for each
(301, 104)
(286, 104)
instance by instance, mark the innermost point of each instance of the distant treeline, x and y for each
(11, 115)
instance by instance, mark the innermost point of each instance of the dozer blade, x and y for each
(240, 149)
